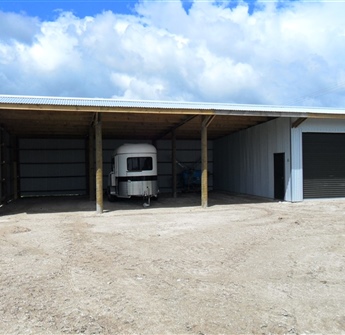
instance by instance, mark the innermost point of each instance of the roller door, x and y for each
(52, 167)
(323, 165)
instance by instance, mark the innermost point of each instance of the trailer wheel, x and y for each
(110, 197)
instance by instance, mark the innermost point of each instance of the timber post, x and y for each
(206, 120)
(99, 164)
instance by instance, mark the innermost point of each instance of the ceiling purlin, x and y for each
(174, 127)
(154, 126)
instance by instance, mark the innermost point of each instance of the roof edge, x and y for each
(217, 108)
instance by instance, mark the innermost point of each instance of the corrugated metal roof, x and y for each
(98, 102)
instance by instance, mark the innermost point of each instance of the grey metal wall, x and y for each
(188, 155)
(6, 167)
(52, 167)
(60, 166)
(308, 126)
(243, 162)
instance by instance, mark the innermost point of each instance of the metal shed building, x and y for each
(52, 146)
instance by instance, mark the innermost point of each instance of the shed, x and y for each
(57, 145)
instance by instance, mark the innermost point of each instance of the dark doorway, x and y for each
(279, 176)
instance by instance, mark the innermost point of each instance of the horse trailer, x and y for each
(133, 172)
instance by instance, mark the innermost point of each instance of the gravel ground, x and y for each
(242, 266)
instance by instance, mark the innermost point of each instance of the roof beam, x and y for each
(298, 122)
(207, 120)
(176, 126)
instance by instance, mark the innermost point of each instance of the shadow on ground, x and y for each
(62, 204)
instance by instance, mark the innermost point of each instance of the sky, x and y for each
(246, 52)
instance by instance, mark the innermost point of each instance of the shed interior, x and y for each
(44, 147)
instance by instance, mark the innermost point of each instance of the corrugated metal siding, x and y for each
(188, 154)
(243, 162)
(59, 166)
(6, 167)
(296, 165)
(52, 167)
(323, 126)
(323, 165)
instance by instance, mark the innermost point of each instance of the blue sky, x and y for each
(49, 9)
(262, 52)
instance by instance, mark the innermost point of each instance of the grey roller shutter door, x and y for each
(323, 165)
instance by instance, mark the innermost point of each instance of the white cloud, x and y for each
(290, 55)
(16, 27)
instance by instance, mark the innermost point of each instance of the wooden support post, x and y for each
(204, 181)
(99, 164)
(92, 173)
(173, 163)
(206, 120)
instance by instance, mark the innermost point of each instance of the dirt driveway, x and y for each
(241, 266)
